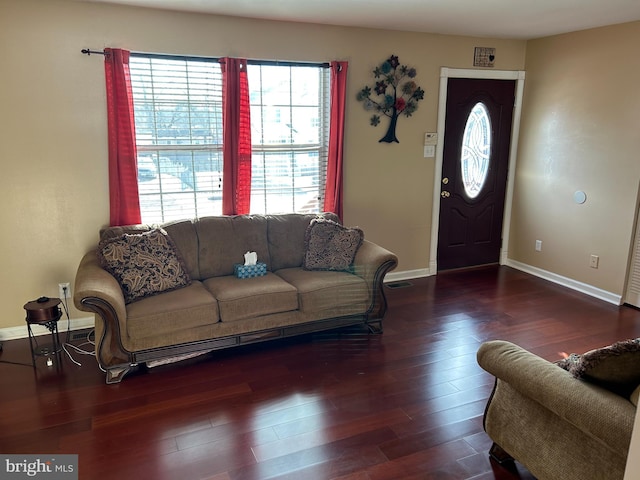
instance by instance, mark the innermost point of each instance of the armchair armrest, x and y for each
(600, 413)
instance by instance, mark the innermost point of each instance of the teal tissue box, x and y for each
(249, 271)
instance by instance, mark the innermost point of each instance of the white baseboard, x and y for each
(567, 282)
(13, 333)
(406, 275)
(535, 271)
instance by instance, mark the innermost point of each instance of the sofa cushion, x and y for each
(330, 246)
(616, 367)
(326, 289)
(286, 237)
(241, 298)
(223, 241)
(144, 264)
(183, 234)
(189, 307)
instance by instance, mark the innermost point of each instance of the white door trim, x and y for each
(445, 74)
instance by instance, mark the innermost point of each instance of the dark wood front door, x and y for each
(474, 171)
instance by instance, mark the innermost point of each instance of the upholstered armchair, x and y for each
(571, 419)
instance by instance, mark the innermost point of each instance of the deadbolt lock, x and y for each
(445, 180)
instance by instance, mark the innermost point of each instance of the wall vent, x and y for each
(399, 285)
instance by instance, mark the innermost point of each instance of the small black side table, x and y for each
(44, 312)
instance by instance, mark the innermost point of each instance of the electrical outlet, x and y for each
(64, 291)
(594, 261)
(538, 245)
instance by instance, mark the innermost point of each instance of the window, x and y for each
(476, 150)
(289, 132)
(178, 116)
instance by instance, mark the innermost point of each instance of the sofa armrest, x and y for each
(372, 262)
(97, 291)
(600, 413)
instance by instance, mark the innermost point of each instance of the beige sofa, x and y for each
(560, 424)
(218, 310)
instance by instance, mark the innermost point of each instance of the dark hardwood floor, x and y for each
(406, 404)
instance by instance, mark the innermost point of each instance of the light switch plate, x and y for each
(430, 138)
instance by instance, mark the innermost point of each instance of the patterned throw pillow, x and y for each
(144, 264)
(330, 246)
(616, 367)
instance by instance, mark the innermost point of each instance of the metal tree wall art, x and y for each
(396, 93)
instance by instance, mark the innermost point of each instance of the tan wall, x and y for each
(579, 132)
(54, 186)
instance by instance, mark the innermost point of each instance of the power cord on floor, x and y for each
(66, 343)
(13, 363)
(16, 363)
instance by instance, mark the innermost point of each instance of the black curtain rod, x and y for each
(88, 51)
(277, 63)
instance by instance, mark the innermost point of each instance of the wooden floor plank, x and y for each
(340, 405)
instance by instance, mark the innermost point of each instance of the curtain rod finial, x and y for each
(88, 51)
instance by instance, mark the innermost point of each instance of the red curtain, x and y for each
(236, 125)
(123, 170)
(333, 188)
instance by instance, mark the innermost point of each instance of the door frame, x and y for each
(445, 74)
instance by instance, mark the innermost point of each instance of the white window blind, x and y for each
(289, 132)
(178, 116)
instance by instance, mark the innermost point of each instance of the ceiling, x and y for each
(515, 19)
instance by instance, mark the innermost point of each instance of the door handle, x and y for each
(445, 194)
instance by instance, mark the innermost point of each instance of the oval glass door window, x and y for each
(476, 150)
